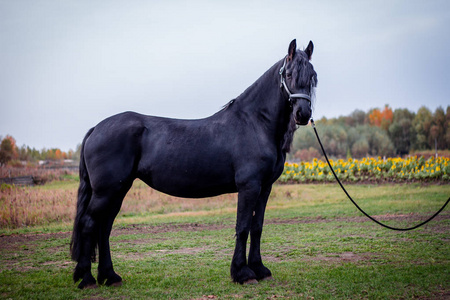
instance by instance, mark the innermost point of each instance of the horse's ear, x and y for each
(292, 49)
(309, 49)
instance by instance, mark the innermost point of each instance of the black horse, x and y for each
(241, 148)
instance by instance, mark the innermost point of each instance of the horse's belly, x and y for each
(195, 192)
(191, 183)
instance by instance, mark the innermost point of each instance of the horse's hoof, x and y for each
(89, 283)
(250, 281)
(114, 280)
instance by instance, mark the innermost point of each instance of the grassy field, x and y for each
(317, 245)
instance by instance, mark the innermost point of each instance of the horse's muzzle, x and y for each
(302, 114)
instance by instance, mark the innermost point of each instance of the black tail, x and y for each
(84, 197)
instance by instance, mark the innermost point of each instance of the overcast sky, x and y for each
(66, 65)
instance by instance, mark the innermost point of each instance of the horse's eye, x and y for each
(288, 75)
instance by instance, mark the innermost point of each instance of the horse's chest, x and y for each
(275, 167)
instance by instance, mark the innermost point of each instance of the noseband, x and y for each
(291, 96)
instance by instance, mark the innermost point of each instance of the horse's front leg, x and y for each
(240, 272)
(254, 256)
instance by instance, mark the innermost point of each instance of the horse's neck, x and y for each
(264, 103)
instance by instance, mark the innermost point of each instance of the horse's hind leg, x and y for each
(97, 223)
(106, 273)
(105, 265)
(87, 253)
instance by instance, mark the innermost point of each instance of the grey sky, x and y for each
(66, 65)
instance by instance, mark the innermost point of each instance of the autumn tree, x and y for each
(8, 150)
(381, 118)
(58, 154)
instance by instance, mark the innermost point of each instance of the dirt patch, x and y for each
(163, 252)
(206, 297)
(341, 257)
(168, 227)
(360, 219)
(285, 254)
(440, 295)
(25, 241)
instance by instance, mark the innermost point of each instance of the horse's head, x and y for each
(298, 81)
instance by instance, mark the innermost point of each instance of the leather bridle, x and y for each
(291, 96)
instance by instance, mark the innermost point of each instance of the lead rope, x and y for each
(345, 191)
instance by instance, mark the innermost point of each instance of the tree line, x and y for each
(379, 132)
(11, 154)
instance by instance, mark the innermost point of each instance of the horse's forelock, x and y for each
(304, 74)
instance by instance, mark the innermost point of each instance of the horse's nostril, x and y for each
(302, 115)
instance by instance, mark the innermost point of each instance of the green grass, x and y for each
(315, 243)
